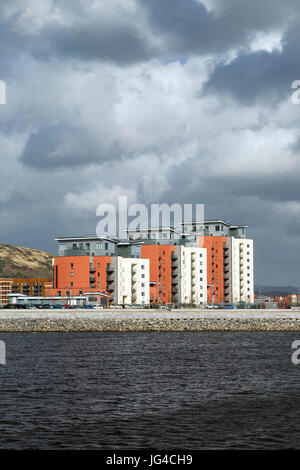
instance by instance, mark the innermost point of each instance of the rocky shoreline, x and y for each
(155, 324)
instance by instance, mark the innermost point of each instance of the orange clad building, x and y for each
(75, 275)
(216, 256)
(161, 270)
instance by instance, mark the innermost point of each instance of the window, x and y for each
(143, 275)
(87, 245)
(99, 246)
(143, 266)
(106, 246)
(72, 274)
(217, 227)
(74, 246)
(201, 278)
(143, 285)
(143, 294)
(201, 271)
(164, 252)
(72, 266)
(63, 247)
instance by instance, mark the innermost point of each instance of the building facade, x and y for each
(207, 263)
(30, 287)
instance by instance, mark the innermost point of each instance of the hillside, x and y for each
(276, 290)
(16, 261)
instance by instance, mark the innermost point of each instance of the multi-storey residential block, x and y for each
(162, 271)
(241, 272)
(229, 260)
(32, 287)
(211, 262)
(129, 281)
(126, 280)
(191, 285)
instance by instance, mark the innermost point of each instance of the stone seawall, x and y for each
(193, 324)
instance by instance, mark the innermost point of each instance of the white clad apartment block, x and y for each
(242, 280)
(131, 285)
(192, 275)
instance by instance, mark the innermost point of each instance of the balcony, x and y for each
(110, 278)
(110, 268)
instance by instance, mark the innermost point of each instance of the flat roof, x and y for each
(88, 237)
(214, 221)
(152, 229)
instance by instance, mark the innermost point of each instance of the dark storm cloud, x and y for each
(114, 121)
(190, 28)
(120, 43)
(63, 146)
(260, 75)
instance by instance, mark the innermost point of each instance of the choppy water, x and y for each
(200, 390)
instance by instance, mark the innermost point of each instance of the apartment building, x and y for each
(163, 272)
(5, 289)
(129, 281)
(30, 287)
(124, 279)
(241, 272)
(190, 284)
(211, 262)
(230, 264)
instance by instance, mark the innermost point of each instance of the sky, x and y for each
(173, 101)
